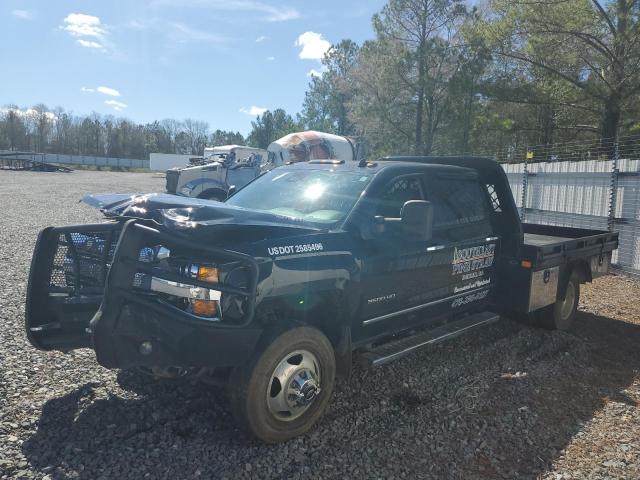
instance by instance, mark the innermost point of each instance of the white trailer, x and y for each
(161, 162)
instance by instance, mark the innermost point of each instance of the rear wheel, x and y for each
(561, 314)
(286, 389)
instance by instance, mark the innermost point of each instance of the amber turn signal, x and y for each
(205, 308)
(208, 274)
(526, 264)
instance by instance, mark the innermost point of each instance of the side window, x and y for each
(493, 196)
(396, 193)
(457, 202)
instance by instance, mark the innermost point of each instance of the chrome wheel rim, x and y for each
(294, 385)
(567, 304)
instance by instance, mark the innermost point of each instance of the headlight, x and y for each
(186, 191)
(201, 301)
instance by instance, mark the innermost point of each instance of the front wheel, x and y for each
(561, 314)
(216, 196)
(286, 389)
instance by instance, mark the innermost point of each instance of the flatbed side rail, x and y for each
(569, 249)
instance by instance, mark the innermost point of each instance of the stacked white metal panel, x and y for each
(579, 194)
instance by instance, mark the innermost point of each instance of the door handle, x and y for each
(435, 248)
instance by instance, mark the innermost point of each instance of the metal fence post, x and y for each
(525, 185)
(613, 189)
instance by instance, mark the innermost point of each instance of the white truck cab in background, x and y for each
(220, 168)
(225, 166)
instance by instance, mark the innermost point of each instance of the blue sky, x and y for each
(221, 61)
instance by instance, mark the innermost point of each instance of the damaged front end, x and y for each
(141, 296)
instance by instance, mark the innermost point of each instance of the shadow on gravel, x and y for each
(535, 419)
(517, 428)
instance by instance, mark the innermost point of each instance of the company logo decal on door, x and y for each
(470, 259)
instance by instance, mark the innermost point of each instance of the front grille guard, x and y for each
(68, 271)
(136, 236)
(75, 260)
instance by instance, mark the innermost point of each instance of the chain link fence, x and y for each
(594, 194)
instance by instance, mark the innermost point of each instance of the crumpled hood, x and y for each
(191, 214)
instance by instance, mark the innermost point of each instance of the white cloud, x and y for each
(29, 112)
(136, 25)
(314, 73)
(88, 31)
(112, 92)
(183, 33)
(90, 44)
(261, 39)
(81, 25)
(271, 13)
(313, 44)
(270, 59)
(117, 106)
(23, 14)
(253, 110)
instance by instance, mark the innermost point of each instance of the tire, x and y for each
(561, 314)
(217, 196)
(257, 394)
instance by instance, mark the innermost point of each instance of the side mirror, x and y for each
(231, 191)
(416, 218)
(415, 222)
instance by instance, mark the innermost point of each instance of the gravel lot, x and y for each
(459, 410)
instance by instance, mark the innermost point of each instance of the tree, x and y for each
(172, 128)
(427, 31)
(157, 138)
(41, 119)
(591, 46)
(42, 130)
(222, 137)
(325, 106)
(271, 126)
(14, 130)
(195, 135)
(383, 108)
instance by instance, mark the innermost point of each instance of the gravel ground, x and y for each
(509, 401)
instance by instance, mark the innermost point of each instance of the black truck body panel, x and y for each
(89, 284)
(548, 246)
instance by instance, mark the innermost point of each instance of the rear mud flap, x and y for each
(66, 283)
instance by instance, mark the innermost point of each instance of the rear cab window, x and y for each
(460, 207)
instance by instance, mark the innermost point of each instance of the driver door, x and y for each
(400, 273)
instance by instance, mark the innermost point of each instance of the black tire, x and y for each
(561, 314)
(217, 196)
(252, 386)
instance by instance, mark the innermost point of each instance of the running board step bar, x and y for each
(396, 349)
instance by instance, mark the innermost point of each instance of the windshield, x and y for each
(323, 197)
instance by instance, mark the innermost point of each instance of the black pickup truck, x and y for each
(277, 289)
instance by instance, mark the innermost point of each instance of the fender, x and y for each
(196, 187)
